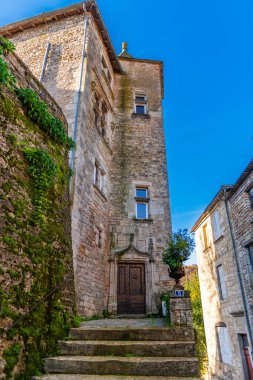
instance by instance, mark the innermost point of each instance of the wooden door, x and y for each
(131, 288)
(249, 363)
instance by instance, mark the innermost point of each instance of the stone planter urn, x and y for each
(177, 274)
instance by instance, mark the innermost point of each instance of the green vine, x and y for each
(37, 111)
(11, 356)
(41, 170)
(6, 46)
(31, 298)
(6, 77)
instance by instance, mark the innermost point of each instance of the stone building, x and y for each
(119, 187)
(224, 245)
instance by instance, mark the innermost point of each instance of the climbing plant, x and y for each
(192, 284)
(35, 233)
(38, 112)
(6, 78)
(41, 170)
(6, 46)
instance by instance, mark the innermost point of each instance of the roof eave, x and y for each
(248, 170)
(212, 204)
(78, 8)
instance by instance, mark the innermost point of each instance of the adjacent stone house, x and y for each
(119, 187)
(224, 238)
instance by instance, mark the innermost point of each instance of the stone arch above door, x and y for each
(130, 254)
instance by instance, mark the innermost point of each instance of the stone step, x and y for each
(105, 377)
(130, 366)
(123, 348)
(145, 334)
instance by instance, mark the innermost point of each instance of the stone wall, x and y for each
(217, 312)
(242, 218)
(128, 151)
(63, 64)
(139, 160)
(90, 213)
(36, 269)
(61, 78)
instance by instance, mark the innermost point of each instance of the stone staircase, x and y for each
(126, 353)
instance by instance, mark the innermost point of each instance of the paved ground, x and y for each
(124, 322)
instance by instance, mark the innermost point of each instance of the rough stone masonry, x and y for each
(119, 149)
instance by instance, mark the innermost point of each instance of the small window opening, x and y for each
(140, 104)
(142, 203)
(106, 70)
(251, 197)
(221, 282)
(99, 177)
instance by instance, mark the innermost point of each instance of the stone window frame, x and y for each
(142, 103)
(98, 236)
(250, 194)
(216, 225)
(142, 200)
(132, 195)
(106, 70)
(99, 177)
(249, 257)
(100, 113)
(222, 327)
(222, 286)
(250, 251)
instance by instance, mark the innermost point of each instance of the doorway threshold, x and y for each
(131, 316)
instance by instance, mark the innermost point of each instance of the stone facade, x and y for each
(240, 202)
(36, 268)
(116, 149)
(222, 235)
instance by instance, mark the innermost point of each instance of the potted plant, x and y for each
(178, 249)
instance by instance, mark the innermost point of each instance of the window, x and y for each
(217, 233)
(205, 236)
(106, 70)
(98, 237)
(224, 345)
(140, 104)
(221, 282)
(142, 203)
(141, 192)
(96, 174)
(96, 117)
(103, 119)
(99, 177)
(250, 248)
(251, 197)
(100, 112)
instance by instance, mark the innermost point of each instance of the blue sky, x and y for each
(207, 51)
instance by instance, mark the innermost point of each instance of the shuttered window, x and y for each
(250, 248)
(224, 345)
(221, 282)
(216, 226)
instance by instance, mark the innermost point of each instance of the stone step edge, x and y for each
(108, 377)
(123, 359)
(145, 334)
(129, 328)
(127, 342)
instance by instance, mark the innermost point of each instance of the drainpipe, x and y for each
(45, 61)
(72, 157)
(239, 272)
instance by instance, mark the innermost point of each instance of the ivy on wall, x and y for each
(6, 78)
(35, 236)
(37, 111)
(41, 170)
